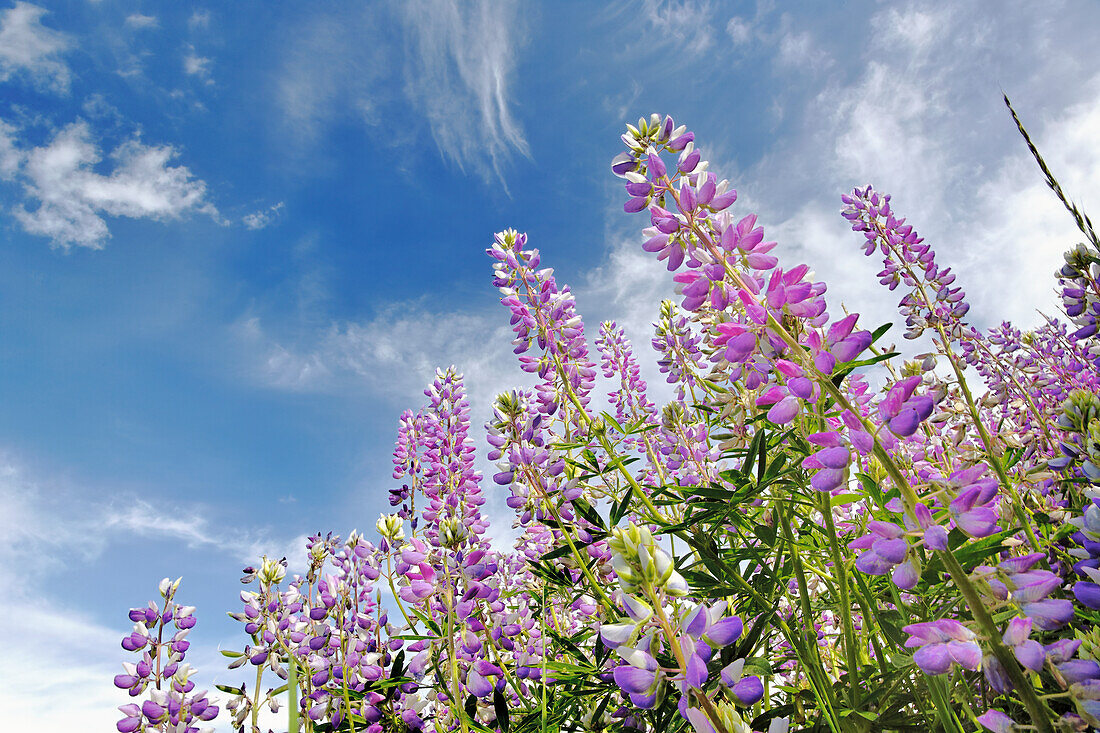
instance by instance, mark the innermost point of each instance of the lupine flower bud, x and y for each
(391, 528)
(272, 572)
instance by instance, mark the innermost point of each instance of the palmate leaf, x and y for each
(551, 575)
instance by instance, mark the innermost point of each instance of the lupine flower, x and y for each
(941, 643)
(543, 314)
(996, 721)
(884, 548)
(748, 690)
(933, 301)
(172, 702)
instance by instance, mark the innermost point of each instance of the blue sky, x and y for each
(236, 240)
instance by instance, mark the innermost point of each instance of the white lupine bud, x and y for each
(453, 532)
(676, 586)
(637, 609)
(731, 719)
(391, 527)
(271, 572)
(663, 565)
(645, 562)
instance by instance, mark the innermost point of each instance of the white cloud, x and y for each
(59, 648)
(137, 20)
(396, 353)
(686, 25)
(10, 155)
(263, 218)
(49, 526)
(71, 198)
(199, 19)
(458, 62)
(97, 107)
(329, 67)
(195, 65)
(798, 50)
(462, 58)
(923, 120)
(739, 30)
(28, 47)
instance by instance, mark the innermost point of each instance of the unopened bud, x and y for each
(391, 527)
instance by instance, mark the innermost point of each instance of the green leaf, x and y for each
(619, 510)
(585, 510)
(880, 331)
(610, 420)
(500, 706)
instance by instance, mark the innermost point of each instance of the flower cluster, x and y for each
(171, 702)
(781, 545)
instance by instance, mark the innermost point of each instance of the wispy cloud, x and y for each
(923, 119)
(686, 25)
(195, 65)
(29, 48)
(330, 65)
(71, 199)
(199, 19)
(49, 525)
(463, 57)
(137, 20)
(395, 353)
(264, 217)
(458, 62)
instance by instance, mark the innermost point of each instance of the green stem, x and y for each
(256, 699)
(674, 643)
(292, 693)
(815, 667)
(947, 716)
(851, 650)
(1041, 714)
(460, 711)
(987, 443)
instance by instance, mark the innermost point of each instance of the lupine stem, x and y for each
(987, 443)
(808, 621)
(677, 652)
(850, 649)
(1041, 714)
(256, 699)
(292, 693)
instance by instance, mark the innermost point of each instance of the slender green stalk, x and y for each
(678, 653)
(256, 699)
(950, 721)
(292, 694)
(1040, 712)
(851, 650)
(809, 644)
(460, 711)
